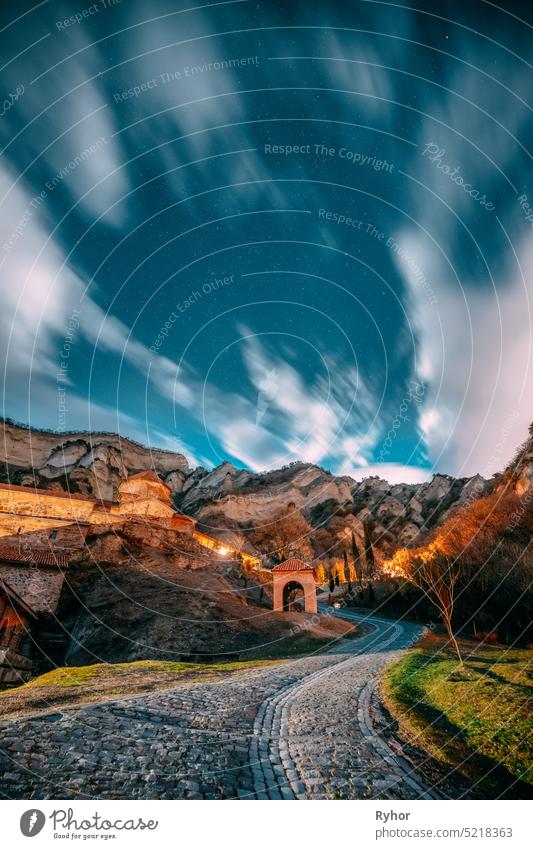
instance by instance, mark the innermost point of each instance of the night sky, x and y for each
(267, 232)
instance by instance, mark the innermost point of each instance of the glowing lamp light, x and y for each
(223, 550)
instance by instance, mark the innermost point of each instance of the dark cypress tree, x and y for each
(358, 566)
(369, 553)
(336, 578)
(347, 571)
(331, 583)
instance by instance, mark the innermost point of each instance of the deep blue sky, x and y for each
(266, 232)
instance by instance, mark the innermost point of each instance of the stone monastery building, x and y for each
(41, 530)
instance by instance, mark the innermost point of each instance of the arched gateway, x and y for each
(294, 586)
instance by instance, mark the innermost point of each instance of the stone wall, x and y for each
(13, 523)
(151, 507)
(31, 503)
(217, 545)
(29, 512)
(26, 512)
(38, 586)
(27, 533)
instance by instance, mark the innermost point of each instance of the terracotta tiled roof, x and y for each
(293, 564)
(41, 558)
(147, 476)
(32, 490)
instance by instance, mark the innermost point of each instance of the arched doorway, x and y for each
(294, 587)
(293, 597)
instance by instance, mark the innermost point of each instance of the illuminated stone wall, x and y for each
(150, 507)
(33, 503)
(14, 523)
(217, 545)
(24, 512)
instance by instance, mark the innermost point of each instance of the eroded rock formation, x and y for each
(230, 502)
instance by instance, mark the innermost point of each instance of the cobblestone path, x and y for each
(299, 730)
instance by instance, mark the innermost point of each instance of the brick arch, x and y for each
(294, 572)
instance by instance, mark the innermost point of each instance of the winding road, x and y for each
(297, 730)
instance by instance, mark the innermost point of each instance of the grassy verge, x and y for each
(69, 686)
(476, 719)
(75, 685)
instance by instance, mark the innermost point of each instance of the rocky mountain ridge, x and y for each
(230, 502)
(89, 463)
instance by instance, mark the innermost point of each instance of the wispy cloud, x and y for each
(474, 353)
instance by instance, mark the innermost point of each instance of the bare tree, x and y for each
(437, 575)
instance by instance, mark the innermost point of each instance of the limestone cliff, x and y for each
(92, 464)
(235, 501)
(230, 502)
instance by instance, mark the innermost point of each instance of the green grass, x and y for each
(78, 676)
(471, 717)
(70, 686)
